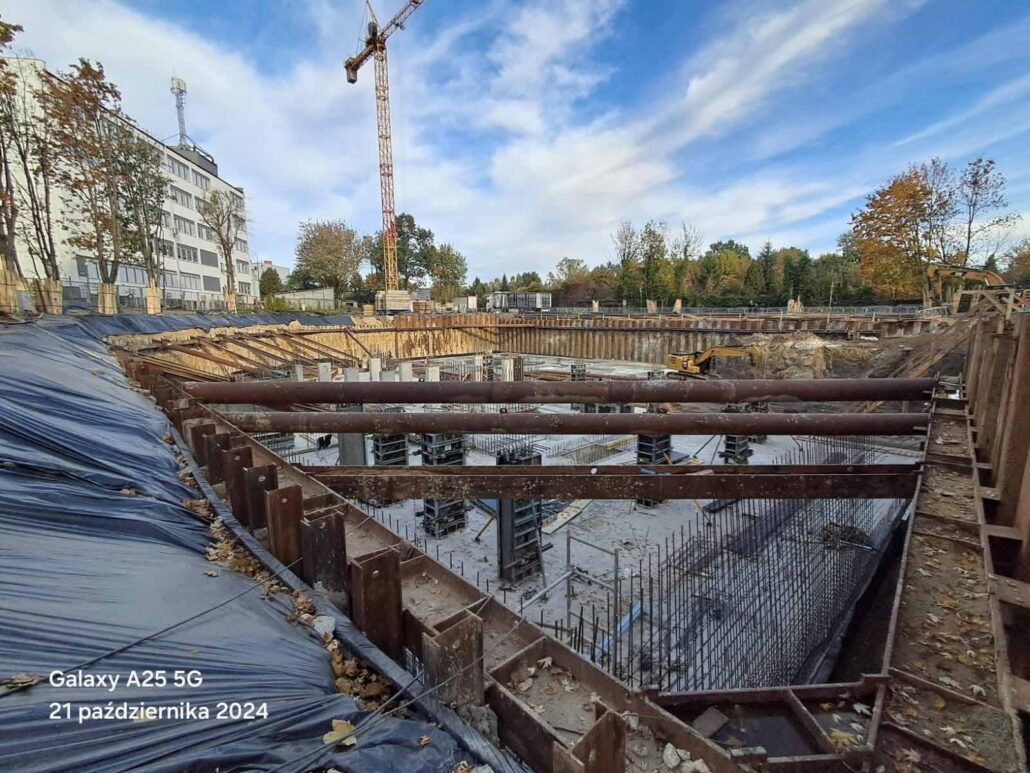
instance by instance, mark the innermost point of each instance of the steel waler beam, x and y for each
(886, 481)
(585, 424)
(822, 390)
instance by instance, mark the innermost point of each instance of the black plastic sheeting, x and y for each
(97, 551)
(127, 324)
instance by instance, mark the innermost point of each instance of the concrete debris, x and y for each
(671, 757)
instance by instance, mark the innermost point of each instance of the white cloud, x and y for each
(491, 148)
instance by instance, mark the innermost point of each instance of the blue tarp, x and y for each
(98, 551)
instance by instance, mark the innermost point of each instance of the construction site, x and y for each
(523, 541)
(536, 539)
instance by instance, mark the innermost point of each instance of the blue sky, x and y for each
(524, 131)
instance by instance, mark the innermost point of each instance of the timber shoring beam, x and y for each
(822, 390)
(880, 481)
(585, 424)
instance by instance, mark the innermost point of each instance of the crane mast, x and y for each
(375, 48)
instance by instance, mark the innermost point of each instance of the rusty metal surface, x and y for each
(621, 482)
(586, 424)
(822, 390)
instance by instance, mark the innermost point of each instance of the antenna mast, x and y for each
(179, 89)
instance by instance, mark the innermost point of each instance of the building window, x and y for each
(239, 222)
(212, 284)
(180, 197)
(237, 200)
(242, 267)
(186, 253)
(171, 280)
(240, 245)
(189, 281)
(178, 168)
(200, 181)
(245, 288)
(205, 233)
(132, 275)
(166, 219)
(87, 269)
(208, 258)
(184, 226)
(165, 247)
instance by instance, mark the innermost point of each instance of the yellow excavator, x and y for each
(696, 364)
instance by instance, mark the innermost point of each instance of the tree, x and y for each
(654, 261)
(27, 167)
(567, 270)
(627, 261)
(270, 283)
(893, 233)
(303, 279)
(84, 112)
(721, 272)
(222, 212)
(330, 251)
(143, 187)
(448, 272)
(1017, 262)
(981, 191)
(797, 272)
(415, 247)
(9, 208)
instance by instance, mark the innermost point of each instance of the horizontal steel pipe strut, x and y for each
(586, 424)
(823, 390)
(624, 482)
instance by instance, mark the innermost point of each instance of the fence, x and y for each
(758, 311)
(83, 295)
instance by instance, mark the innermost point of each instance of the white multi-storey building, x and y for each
(194, 276)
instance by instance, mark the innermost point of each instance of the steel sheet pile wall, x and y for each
(749, 595)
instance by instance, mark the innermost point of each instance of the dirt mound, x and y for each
(795, 355)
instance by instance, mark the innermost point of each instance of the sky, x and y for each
(524, 131)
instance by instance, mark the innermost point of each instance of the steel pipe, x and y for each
(586, 424)
(823, 390)
(887, 481)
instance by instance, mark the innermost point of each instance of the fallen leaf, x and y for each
(842, 740)
(977, 690)
(861, 708)
(342, 733)
(423, 741)
(909, 755)
(544, 662)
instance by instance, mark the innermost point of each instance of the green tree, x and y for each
(797, 272)
(330, 252)
(654, 261)
(567, 270)
(448, 272)
(270, 283)
(301, 279)
(415, 249)
(142, 198)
